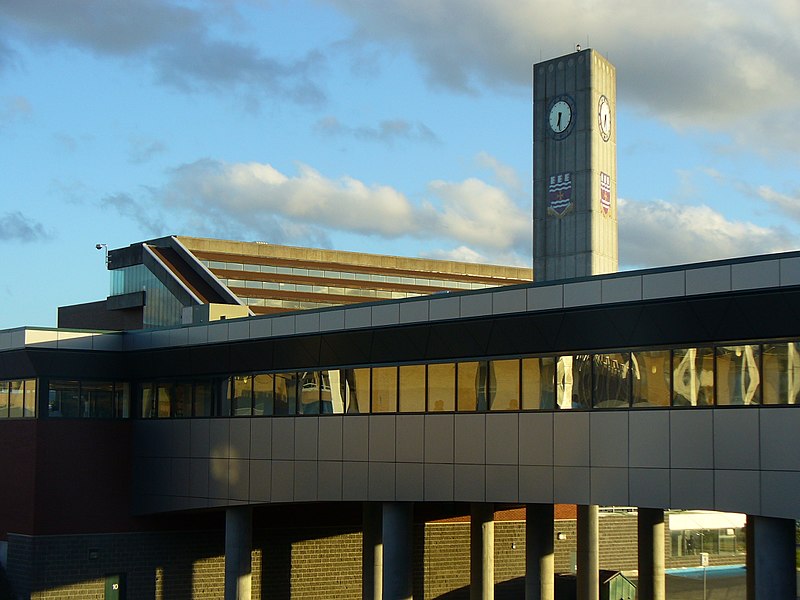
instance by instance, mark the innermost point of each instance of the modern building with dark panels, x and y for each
(177, 279)
(245, 420)
(671, 388)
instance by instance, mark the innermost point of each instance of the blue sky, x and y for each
(393, 126)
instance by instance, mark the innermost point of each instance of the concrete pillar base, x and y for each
(539, 552)
(652, 582)
(372, 552)
(588, 554)
(481, 551)
(771, 570)
(398, 550)
(238, 552)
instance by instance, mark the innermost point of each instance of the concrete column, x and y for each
(238, 552)
(372, 552)
(539, 552)
(398, 550)
(481, 551)
(771, 571)
(652, 584)
(588, 553)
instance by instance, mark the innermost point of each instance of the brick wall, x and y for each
(293, 562)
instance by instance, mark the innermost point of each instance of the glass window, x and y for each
(121, 400)
(16, 398)
(611, 383)
(472, 386)
(325, 393)
(412, 388)
(504, 385)
(30, 399)
(355, 386)
(442, 387)
(309, 393)
(182, 399)
(781, 364)
(538, 381)
(650, 372)
(97, 399)
(693, 377)
(146, 400)
(203, 399)
(164, 400)
(241, 395)
(64, 399)
(574, 381)
(738, 378)
(3, 399)
(285, 393)
(263, 394)
(384, 389)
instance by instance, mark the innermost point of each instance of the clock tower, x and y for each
(574, 167)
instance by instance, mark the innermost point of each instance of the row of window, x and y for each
(88, 399)
(17, 398)
(316, 289)
(748, 374)
(326, 274)
(745, 374)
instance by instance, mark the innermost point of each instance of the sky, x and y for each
(393, 126)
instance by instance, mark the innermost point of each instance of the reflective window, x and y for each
(64, 399)
(263, 394)
(310, 387)
(241, 395)
(147, 400)
(285, 393)
(203, 399)
(738, 378)
(471, 394)
(412, 388)
(693, 377)
(442, 387)
(182, 399)
(650, 373)
(97, 399)
(611, 381)
(504, 384)
(574, 381)
(781, 363)
(538, 377)
(4, 385)
(16, 399)
(357, 390)
(384, 389)
(164, 400)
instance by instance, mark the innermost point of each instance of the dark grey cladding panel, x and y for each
(17, 363)
(470, 483)
(460, 339)
(410, 481)
(182, 438)
(345, 348)
(692, 488)
(329, 480)
(296, 352)
(610, 485)
(518, 334)
(403, 344)
(238, 479)
(251, 356)
(737, 491)
(210, 360)
(60, 363)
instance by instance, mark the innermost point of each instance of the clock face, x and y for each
(560, 116)
(604, 118)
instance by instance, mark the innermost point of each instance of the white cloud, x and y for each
(720, 65)
(659, 233)
(257, 201)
